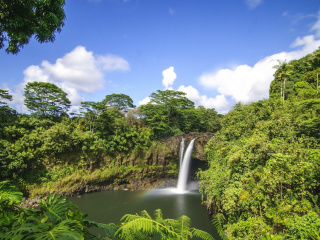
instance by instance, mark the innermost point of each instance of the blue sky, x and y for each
(218, 52)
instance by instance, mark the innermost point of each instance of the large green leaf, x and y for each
(9, 194)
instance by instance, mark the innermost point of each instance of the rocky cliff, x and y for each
(155, 167)
(173, 144)
(161, 162)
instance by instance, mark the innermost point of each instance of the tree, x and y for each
(166, 112)
(20, 20)
(4, 95)
(43, 99)
(122, 101)
(91, 111)
(282, 73)
(170, 98)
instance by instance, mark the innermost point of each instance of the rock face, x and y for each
(173, 143)
(156, 167)
(162, 166)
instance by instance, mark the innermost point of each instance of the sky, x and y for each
(218, 52)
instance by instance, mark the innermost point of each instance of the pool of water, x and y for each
(110, 206)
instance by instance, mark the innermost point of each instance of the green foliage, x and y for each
(9, 197)
(297, 79)
(121, 101)
(4, 95)
(264, 167)
(143, 226)
(91, 111)
(304, 227)
(20, 20)
(43, 99)
(170, 112)
(58, 218)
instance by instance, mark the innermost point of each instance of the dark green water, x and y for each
(110, 206)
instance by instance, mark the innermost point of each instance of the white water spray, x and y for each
(181, 151)
(184, 168)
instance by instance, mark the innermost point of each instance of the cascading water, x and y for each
(181, 151)
(184, 168)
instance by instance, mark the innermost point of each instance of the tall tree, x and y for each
(43, 98)
(170, 98)
(20, 20)
(165, 112)
(91, 110)
(122, 101)
(282, 74)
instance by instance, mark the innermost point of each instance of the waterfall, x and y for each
(184, 169)
(181, 151)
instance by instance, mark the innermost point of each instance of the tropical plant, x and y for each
(143, 226)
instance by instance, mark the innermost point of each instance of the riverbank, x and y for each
(80, 182)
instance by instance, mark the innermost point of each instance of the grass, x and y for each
(79, 179)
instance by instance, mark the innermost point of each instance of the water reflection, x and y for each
(110, 206)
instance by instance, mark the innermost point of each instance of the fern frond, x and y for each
(217, 222)
(109, 229)
(145, 214)
(201, 234)
(144, 225)
(158, 216)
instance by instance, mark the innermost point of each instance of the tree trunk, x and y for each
(284, 87)
(317, 83)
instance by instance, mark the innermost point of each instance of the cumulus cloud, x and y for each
(253, 3)
(113, 63)
(78, 70)
(144, 101)
(219, 102)
(168, 77)
(246, 83)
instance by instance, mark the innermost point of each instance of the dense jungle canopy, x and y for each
(264, 162)
(263, 170)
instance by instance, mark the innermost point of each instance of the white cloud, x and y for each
(251, 83)
(253, 3)
(79, 70)
(144, 101)
(219, 102)
(113, 63)
(168, 77)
